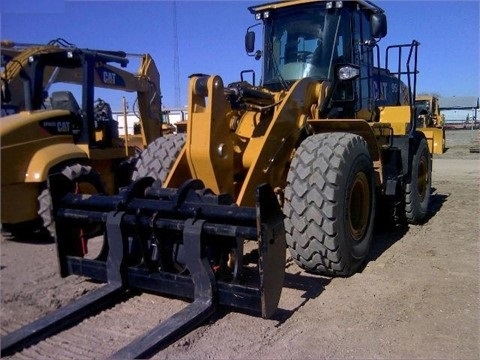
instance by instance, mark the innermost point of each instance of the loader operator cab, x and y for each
(321, 40)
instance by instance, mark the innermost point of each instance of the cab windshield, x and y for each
(304, 42)
(422, 105)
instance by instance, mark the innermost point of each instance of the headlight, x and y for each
(348, 72)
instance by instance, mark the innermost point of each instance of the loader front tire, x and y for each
(418, 189)
(159, 156)
(330, 204)
(85, 180)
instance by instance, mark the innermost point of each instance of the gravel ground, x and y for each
(416, 298)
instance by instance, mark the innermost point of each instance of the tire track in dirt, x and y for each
(101, 335)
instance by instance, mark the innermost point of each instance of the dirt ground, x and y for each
(417, 297)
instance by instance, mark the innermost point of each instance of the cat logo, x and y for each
(63, 126)
(109, 77)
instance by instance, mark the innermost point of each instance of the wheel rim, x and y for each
(422, 179)
(359, 206)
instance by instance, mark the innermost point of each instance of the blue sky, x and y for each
(211, 36)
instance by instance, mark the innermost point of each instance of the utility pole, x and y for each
(176, 72)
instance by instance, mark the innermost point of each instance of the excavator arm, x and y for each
(149, 99)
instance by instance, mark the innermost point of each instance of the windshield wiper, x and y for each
(276, 71)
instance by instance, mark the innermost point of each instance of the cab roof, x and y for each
(283, 4)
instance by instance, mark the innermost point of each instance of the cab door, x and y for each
(363, 57)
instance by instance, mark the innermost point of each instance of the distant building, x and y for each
(131, 120)
(170, 116)
(460, 110)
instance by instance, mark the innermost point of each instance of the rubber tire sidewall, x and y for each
(316, 215)
(77, 173)
(159, 156)
(416, 208)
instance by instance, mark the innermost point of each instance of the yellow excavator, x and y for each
(42, 134)
(303, 160)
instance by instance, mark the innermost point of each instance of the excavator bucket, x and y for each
(187, 243)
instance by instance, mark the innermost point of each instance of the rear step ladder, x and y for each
(150, 218)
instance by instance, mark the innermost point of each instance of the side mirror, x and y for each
(378, 25)
(249, 42)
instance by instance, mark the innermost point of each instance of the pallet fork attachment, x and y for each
(185, 242)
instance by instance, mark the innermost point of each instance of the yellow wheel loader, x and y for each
(431, 122)
(302, 160)
(43, 134)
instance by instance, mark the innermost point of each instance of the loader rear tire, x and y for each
(86, 181)
(418, 189)
(330, 204)
(159, 156)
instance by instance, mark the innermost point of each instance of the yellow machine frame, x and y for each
(30, 151)
(431, 122)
